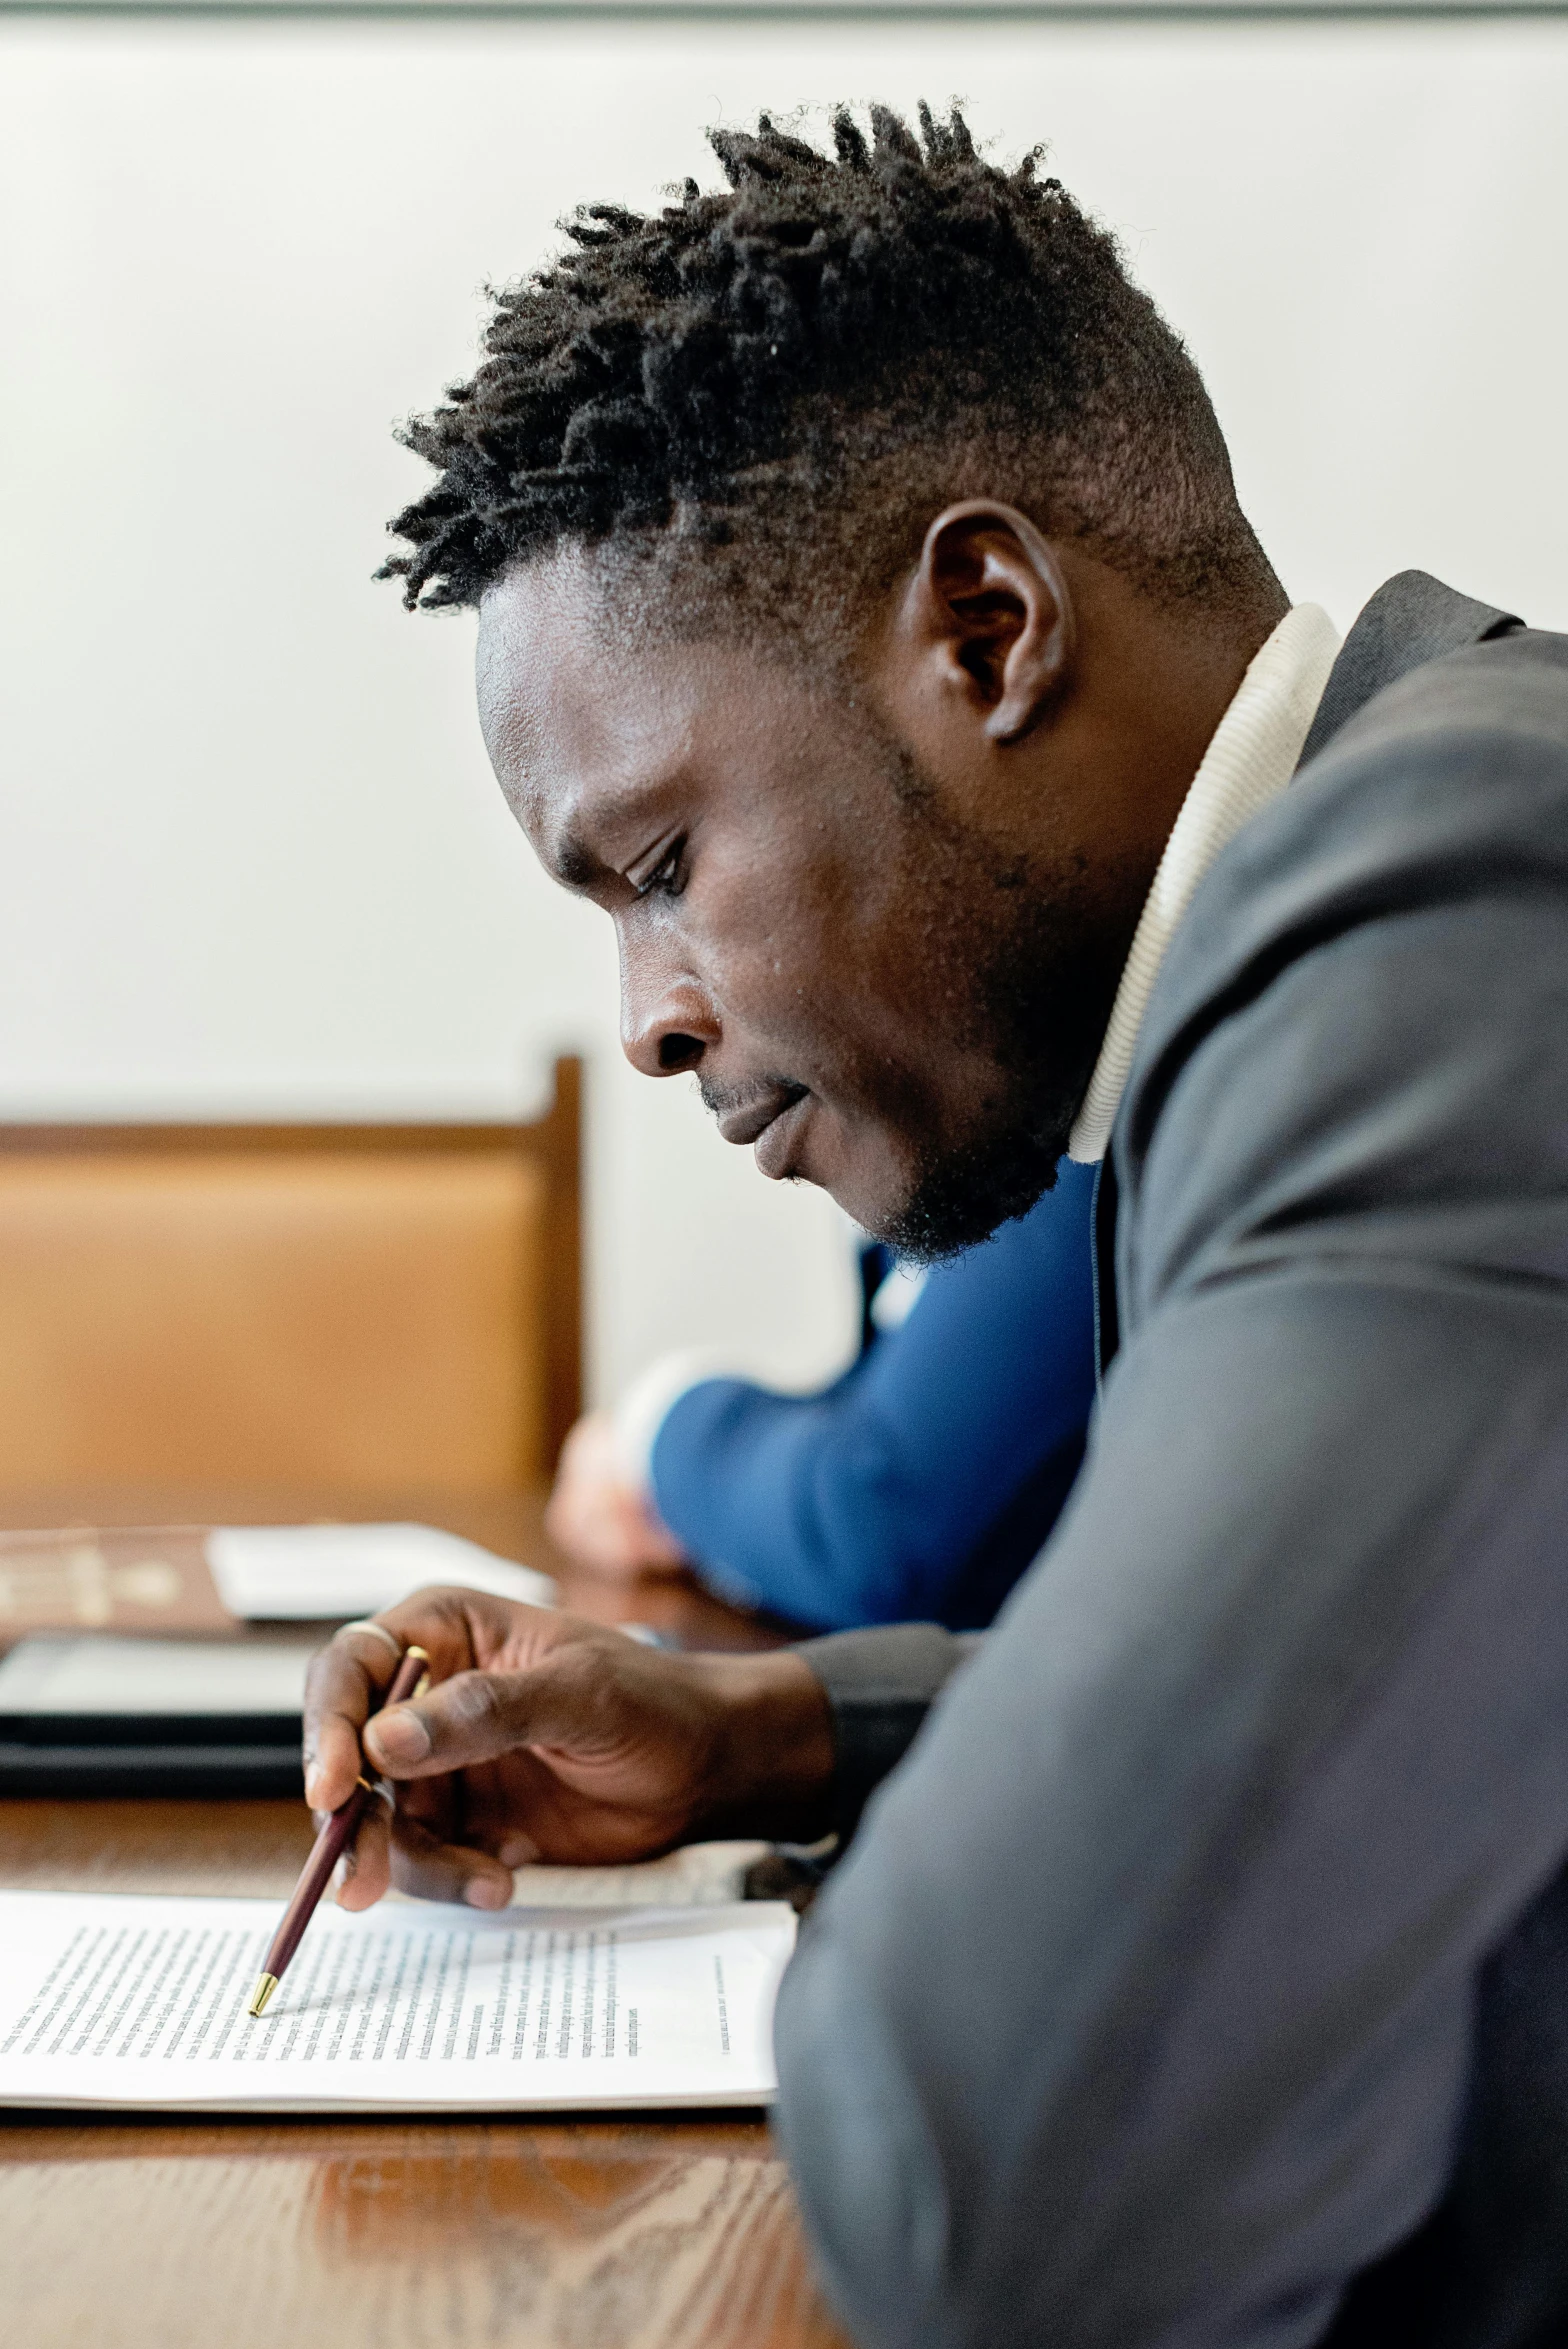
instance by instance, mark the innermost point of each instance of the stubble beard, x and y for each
(1036, 959)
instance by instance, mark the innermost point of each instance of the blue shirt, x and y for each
(920, 1484)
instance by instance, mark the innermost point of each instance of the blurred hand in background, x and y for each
(597, 1513)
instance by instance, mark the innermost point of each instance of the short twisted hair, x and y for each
(831, 346)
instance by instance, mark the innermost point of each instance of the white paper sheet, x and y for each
(109, 2002)
(697, 1875)
(312, 1573)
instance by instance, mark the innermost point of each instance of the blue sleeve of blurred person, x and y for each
(920, 1484)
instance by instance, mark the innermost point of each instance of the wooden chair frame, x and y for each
(552, 1141)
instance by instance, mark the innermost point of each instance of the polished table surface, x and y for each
(675, 2233)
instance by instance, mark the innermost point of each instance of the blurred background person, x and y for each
(917, 1486)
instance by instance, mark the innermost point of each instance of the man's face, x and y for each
(881, 995)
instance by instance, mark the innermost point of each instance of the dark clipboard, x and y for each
(101, 1716)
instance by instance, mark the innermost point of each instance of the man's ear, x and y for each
(990, 607)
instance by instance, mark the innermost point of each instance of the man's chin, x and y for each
(929, 1204)
(964, 1196)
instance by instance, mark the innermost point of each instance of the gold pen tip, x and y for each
(265, 1986)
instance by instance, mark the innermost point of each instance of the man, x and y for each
(868, 624)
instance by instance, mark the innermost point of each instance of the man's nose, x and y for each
(667, 1022)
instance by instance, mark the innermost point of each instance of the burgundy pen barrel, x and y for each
(337, 1832)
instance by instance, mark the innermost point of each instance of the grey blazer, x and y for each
(1199, 1979)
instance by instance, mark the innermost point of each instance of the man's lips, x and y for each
(778, 1144)
(772, 1122)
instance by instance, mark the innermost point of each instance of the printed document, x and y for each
(115, 2002)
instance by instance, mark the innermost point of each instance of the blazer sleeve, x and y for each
(921, 1483)
(880, 1685)
(1140, 2014)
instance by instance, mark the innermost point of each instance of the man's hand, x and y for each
(598, 1517)
(545, 1737)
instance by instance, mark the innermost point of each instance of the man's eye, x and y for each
(667, 878)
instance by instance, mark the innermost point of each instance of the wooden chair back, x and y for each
(358, 1308)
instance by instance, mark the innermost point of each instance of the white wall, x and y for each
(251, 857)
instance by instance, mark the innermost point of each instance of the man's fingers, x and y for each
(364, 1872)
(478, 1716)
(432, 1870)
(346, 1680)
(350, 1676)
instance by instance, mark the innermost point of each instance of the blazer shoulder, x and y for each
(1451, 781)
(1468, 752)
(1513, 684)
(1413, 619)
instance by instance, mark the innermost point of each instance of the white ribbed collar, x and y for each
(1249, 761)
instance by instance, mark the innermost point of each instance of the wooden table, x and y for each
(672, 2233)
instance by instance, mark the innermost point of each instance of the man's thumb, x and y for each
(473, 1717)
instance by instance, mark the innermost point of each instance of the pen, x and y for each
(337, 1832)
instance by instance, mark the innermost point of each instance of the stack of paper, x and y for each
(112, 2002)
(116, 1714)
